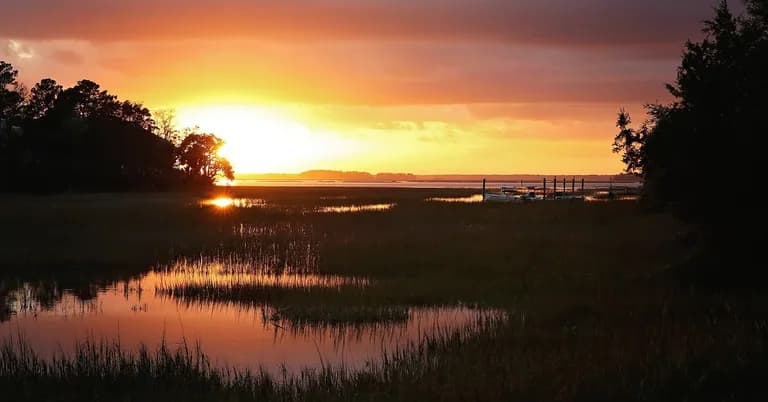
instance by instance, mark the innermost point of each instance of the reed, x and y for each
(591, 310)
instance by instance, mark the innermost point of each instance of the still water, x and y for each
(256, 334)
(341, 209)
(477, 184)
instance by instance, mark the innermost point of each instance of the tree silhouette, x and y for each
(86, 99)
(629, 142)
(42, 98)
(84, 138)
(165, 121)
(713, 133)
(11, 96)
(198, 158)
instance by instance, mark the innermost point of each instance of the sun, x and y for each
(259, 140)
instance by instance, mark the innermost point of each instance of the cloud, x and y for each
(554, 22)
(17, 50)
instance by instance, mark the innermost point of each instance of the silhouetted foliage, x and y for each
(11, 96)
(42, 98)
(629, 142)
(199, 160)
(710, 139)
(165, 122)
(84, 138)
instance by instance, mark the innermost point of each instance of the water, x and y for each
(255, 299)
(590, 185)
(227, 202)
(341, 209)
(466, 200)
(244, 335)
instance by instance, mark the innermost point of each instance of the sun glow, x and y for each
(221, 202)
(260, 140)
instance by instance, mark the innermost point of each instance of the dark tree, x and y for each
(84, 138)
(700, 155)
(42, 98)
(629, 143)
(165, 120)
(11, 97)
(86, 100)
(136, 114)
(198, 158)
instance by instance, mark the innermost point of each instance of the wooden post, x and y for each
(582, 186)
(564, 182)
(483, 189)
(554, 188)
(545, 189)
(573, 186)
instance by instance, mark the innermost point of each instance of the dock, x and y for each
(562, 189)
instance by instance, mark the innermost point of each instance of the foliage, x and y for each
(42, 98)
(629, 142)
(199, 159)
(165, 120)
(84, 138)
(10, 95)
(713, 133)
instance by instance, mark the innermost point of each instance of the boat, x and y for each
(511, 194)
(501, 197)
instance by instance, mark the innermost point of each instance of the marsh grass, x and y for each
(491, 359)
(591, 312)
(286, 300)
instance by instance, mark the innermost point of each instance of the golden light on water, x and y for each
(356, 208)
(221, 202)
(227, 202)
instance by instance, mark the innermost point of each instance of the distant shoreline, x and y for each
(437, 184)
(358, 177)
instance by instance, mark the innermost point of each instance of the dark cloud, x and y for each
(560, 22)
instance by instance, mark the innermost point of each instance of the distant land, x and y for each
(352, 176)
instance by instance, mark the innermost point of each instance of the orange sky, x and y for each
(432, 86)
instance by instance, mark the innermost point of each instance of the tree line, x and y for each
(700, 155)
(85, 139)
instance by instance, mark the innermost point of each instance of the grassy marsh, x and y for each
(592, 310)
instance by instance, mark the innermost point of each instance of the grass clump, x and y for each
(590, 311)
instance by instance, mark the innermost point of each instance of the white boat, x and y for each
(511, 195)
(501, 197)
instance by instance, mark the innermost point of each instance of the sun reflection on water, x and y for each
(468, 200)
(228, 202)
(235, 273)
(340, 209)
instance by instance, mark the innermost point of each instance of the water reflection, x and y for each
(227, 202)
(356, 208)
(246, 335)
(603, 196)
(222, 274)
(469, 200)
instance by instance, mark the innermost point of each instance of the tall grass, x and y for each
(514, 359)
(590, 312)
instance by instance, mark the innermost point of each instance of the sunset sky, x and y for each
(421, 86)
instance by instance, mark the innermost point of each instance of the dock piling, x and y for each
(554, 188)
